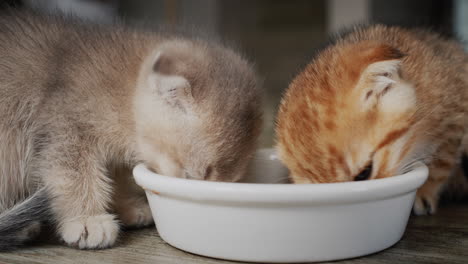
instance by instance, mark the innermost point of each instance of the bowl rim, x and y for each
(274, 193)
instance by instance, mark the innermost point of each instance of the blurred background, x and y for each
(279, 36)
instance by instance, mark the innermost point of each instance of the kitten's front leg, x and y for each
(427, 197)
(130, 201)
(81, 195)
(134, 211)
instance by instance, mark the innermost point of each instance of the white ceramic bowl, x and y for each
(280, 222)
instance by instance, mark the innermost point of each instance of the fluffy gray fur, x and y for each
(81, 104)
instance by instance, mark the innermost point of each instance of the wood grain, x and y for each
(442, 238)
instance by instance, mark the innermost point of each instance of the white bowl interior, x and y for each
(266, 168)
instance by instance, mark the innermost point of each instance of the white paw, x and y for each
(91, 232)
(137, 216)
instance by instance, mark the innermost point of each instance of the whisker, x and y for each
(410, 164)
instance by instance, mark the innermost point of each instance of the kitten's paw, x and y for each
(91, 232)
(426, 202)
(138, 215)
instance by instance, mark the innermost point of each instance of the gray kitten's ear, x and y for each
(168, 84)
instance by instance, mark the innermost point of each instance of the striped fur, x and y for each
(380, 96)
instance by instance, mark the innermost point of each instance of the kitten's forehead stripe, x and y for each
(392, 136)
(383, 166)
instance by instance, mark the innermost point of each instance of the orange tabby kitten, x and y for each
(374, 103)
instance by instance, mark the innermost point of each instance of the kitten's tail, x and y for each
(23, 221)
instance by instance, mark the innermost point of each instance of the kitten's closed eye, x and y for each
(208, 172)
(365, 173)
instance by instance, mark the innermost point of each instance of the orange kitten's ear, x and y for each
(381, 83)
(167, 83)
(384, 60)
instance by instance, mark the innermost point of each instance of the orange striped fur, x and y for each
(380, 96)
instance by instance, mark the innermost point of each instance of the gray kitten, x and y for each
(81, 104)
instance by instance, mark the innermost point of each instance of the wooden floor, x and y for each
(442, 238)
